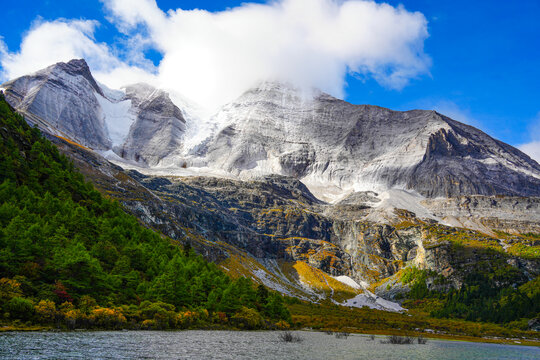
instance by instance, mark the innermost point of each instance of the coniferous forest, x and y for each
(70, 257)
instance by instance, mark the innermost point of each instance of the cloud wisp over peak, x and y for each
(212, 57)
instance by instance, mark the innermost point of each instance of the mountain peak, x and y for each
(77, 64)
(76, 67)
(283, 88)
(62, 98)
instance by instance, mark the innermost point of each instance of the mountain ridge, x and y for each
(277, 129)
(347, 145)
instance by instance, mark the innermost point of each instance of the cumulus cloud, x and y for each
(50, 42)
(532, 148)
(213, 57)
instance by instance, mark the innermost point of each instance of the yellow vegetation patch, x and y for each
(72, 142)
(268, 211)
(404, 225)
(319, 280)
(240, 266)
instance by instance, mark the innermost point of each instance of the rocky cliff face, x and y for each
(273, 129)
(158, 130)
(139, 123)
(507, 214)
(62, 98)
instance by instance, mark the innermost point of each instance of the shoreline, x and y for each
(444, 337)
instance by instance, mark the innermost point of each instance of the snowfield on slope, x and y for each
(372, 301)
(118, 117)
(367, 298)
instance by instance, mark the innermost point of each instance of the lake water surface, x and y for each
(238, 345)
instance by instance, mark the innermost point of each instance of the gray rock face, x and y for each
(274, 129)
(465, 161)
(140, 124)
(159, 127)
(508, 214)
(62, 98)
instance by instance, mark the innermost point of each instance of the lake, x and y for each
(238, 345)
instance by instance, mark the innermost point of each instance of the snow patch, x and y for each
(172, 171)
(117, 160)
(112, 95)
(400, 199)
(199, 126)
(372, 301)
(391, 199)
(323, 190)
(348, 281)
(118, 118)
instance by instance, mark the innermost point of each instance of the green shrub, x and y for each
(20, 308)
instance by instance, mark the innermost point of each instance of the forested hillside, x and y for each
(70, 257)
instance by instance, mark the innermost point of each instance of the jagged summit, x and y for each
(62, 98)
(332, 146)
(78, 67)
(159, 128)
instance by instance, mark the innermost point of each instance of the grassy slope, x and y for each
(331, 317)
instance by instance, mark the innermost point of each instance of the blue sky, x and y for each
(485, 58)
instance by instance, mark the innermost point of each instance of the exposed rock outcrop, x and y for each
(62, 99)
(158, 130)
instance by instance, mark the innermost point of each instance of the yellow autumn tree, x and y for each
(45, 311)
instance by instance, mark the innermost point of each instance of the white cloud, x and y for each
(50, 42)
(213, 57)
(532, 148)
(47, 43)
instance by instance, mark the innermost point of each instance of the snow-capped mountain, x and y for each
(332, 146)
(274, 129)
(138, 122)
